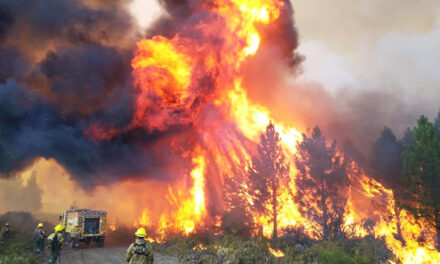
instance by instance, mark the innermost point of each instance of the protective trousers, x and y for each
(54, 256)
(40, 246)
(74, 242)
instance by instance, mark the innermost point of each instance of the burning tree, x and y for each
(268, 172)
(421, 171)
(386, 162)
(237, 220)
(322, 182)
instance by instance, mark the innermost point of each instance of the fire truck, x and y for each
(92, 224)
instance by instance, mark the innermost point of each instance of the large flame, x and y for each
(195, 78)
(381, 199)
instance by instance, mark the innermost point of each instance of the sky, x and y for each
(369, 45)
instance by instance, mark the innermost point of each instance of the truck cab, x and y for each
(92, 224)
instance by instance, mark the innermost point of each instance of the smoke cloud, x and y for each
(376, 70)
(17, 195)
(65, 65)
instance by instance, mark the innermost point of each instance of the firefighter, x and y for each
(140, 252)
(55, 242)
(4, 233)
(39, 237)
(74, 236)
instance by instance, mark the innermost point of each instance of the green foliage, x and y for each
(421, 172)
(17, 249)
(249, 251)
(334, 256)
(230, 249)
(437, 124)
(357, 251)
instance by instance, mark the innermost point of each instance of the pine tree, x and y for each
(321, 184)
(386, 164)
(437, 124)
(421, 171)
(405, 141)
(268, 172)
(235, 187)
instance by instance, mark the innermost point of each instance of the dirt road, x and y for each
(105, 256)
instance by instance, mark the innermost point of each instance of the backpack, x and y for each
(139, 249)
(53, 241)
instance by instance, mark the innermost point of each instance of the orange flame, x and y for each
(189, 211)
(278, 253)
(170, 76)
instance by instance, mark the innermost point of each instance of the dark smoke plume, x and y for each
(65, 65)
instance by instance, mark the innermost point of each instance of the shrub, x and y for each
(334, 256)
(237, 222)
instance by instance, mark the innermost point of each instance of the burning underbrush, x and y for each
(293, 247)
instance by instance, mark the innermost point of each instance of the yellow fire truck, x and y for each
(91, 223)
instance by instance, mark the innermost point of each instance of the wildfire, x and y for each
(200, 246)
(276, 252)
(385, 226)
(150, 240)
(167, 75)
(195, 78)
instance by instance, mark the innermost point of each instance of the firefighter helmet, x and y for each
(141, 232)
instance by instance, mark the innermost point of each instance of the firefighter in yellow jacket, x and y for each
(54, 242)
(74, 236)
(140, 252)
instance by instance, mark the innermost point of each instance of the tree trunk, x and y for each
(275, 213)
(325, 231)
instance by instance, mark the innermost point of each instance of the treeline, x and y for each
(409, 166)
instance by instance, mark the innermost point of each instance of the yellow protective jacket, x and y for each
(5, 230)
(75, 232)
(60, 239)
(140, 252)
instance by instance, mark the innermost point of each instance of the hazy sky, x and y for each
(389, 45)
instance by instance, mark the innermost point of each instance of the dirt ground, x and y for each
(105, 256)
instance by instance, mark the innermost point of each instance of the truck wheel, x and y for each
(100, 242)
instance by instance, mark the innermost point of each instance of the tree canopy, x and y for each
(321, 183)
(421, 173)
(268, 172)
